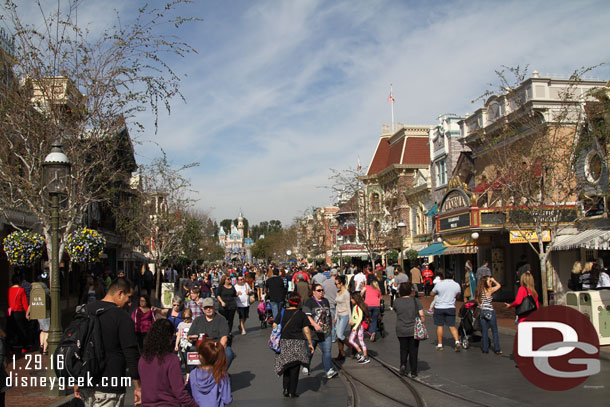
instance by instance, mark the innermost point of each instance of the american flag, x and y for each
(391, 98)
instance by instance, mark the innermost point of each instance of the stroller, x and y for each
(470, 326)
(265, 315)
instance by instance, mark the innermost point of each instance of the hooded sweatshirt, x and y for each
(206, 391)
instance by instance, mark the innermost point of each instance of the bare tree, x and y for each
(156, 216)
(66, 84)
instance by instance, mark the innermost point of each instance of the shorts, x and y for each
(44, 324)
(243, 312)
(444, 316)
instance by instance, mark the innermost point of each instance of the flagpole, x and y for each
(391, 99)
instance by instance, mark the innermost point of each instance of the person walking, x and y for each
(483, 271)
(227, 296)
(527, 288)
(243, 291)
(259, 283)
(484, 296)
(341, 315)
(428, 276)
(276, 292)
(372, 298)
(214, 326)
(295, 345)
(446, 292)
(182, 343)
(302, 287)
(359, 281)
(330, 293)
(120, 348)
(416, 279)
(17, 310)
(143, 317)
(317, 309)
(209, 383)
(408, 308)
(470, 285)
(160, 372)
(360, 316)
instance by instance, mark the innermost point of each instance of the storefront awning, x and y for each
(593, 239)
(460, 250)
(433, 250)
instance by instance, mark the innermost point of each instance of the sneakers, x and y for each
(359, 357)
(430, 312)
(439, 347)
(243, 332)
(305, 371)
(364, 360)
(331, 373)
(403, 370)
(413, 375)
(457, 346)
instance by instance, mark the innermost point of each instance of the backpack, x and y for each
(81, 350)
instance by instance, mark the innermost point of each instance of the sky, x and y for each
(280, 91)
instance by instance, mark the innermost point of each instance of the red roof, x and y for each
(380, 159)
(413, 150)
(417, 151)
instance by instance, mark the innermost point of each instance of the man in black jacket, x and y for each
(276, 292)
(120, 349)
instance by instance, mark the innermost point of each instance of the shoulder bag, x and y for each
(420, 333)
(276, 333)
(527, 305)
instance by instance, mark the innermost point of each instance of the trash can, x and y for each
(595, 305)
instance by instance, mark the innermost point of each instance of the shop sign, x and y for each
(542, 216)
(524, 236)
(455, 200)
(454, 222)
(466, 240)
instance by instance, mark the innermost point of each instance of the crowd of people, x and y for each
(181, 355)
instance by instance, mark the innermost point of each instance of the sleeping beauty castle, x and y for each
(237, 248)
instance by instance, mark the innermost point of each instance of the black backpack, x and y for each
(81, 350)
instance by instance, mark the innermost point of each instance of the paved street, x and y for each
(488, 379)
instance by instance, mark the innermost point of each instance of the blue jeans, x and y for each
(339, 328)
(485, 325)
(230, 356)
(374, 311)
(326, 346)
(276, 309)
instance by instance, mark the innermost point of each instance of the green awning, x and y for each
(433, 250)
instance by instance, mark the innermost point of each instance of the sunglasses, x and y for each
(319, 291)
(208, 307)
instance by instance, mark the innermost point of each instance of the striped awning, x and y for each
(593, 239)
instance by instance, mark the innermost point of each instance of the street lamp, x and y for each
(339, 244)
(56, 181)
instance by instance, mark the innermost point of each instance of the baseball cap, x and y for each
(208, 302)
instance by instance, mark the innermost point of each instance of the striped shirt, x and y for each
(486, 302)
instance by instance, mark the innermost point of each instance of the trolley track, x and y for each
(418, 399)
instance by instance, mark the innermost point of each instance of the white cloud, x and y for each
(282, 91)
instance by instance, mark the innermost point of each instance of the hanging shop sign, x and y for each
(465, 239)
(525, 236)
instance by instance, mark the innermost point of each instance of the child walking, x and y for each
(182, 343)
(209, 383)
(360, 315)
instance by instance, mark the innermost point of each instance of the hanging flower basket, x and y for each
(85, 245)
(23, 248)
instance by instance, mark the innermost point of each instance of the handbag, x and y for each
(486, 314)
(276, 334)
(527, 305)
(420, 332)
(252, 298)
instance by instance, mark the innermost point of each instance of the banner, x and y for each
(524, 236)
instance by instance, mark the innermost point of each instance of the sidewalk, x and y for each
(506, 321)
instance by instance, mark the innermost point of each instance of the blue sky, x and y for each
(281, 91)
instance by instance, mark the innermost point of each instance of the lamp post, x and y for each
(401, 227)
(56, 179)
(339, 244)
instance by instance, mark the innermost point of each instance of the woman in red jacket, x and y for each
(18, 307)
(143, 317)
(427, 276)
(526, 288)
